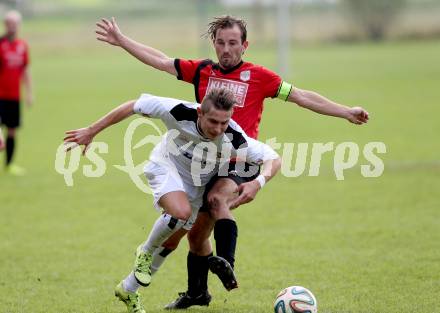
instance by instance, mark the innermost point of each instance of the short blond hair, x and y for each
(220, 98)
(13, 15)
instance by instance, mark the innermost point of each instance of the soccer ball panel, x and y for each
(295, 299)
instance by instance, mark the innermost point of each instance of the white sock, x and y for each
(163, 228)
(159, 257)
(130, 283)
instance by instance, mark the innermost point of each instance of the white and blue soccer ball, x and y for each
(295, 299)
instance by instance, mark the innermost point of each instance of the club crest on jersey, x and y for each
(245, 75)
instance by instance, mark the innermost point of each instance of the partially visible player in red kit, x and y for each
(14, 60)
(2, 141)
(251, 84)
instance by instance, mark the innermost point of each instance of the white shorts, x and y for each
(163, 178)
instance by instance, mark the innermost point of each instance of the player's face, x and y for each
(214, 122)
(11, 25)
(228, 46)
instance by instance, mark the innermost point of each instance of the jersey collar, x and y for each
(216, 66)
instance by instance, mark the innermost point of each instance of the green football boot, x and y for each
(142, 267)
(131, 299)
(15, 170)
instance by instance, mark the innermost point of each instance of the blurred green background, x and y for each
(369, 245)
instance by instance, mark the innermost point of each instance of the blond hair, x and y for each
(13, 15)
(219, 98)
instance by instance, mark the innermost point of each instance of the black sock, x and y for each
(225, 235)
(10, 147)
(198, 269)
(203, 271)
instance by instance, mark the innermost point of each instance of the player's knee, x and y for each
(218, 206)
(220, 212)
(184, 213)
(217, 202)
(11, 132)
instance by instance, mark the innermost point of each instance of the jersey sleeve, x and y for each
(155, 107)
(258, 152)
(186, 69)
(271, 83)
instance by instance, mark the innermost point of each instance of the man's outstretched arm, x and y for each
(108, 31)
(319, 104)
(27, 83)
(84, 136)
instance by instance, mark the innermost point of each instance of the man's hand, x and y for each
(357, 115)
(108, 31)
(82, 136)
(247, 192)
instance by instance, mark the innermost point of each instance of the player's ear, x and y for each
(199, 112)
(245, 46)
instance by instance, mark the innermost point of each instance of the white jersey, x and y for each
(196, 158)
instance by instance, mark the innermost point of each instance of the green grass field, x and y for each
(362, 245)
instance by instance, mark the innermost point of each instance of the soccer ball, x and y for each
(295, 299)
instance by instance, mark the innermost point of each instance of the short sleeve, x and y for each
(186, 69)
(247, 148)
(258, 152)
(271, 83)
(155, 107)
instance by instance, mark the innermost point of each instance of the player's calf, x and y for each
(161, 253)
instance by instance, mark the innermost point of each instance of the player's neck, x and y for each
(230, 68)
(11, 37)
(199, 129)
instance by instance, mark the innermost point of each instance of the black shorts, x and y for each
(239, 172)
(10, 113)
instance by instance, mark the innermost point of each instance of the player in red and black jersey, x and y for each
(14, 59)
(2, 141)
(251, 84)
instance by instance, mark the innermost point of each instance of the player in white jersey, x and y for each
(200, 141)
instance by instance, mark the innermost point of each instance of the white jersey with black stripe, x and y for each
(196, 158)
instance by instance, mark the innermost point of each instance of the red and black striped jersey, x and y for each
(250, 83)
